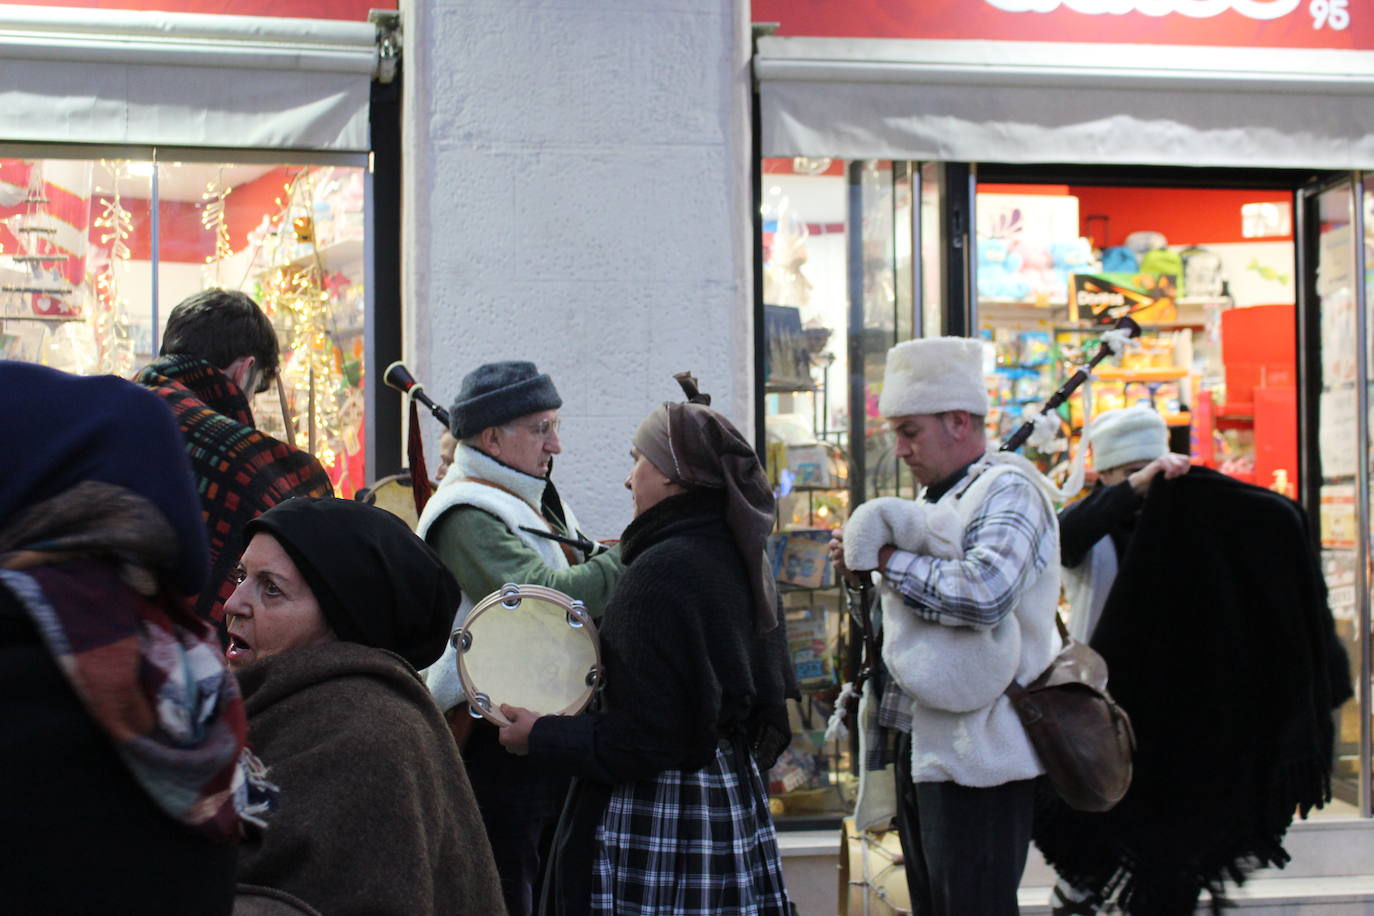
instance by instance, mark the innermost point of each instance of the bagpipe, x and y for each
(860, 600)
(405, 493)
(398, 376)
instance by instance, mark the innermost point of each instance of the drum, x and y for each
(529, 646)
(395, 495)
(872, 876)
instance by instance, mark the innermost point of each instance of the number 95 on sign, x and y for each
(1331, 14)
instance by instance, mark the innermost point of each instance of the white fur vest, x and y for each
(977, 739)
(514, 500)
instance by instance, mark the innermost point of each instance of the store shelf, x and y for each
(335, 256)
(1146, 374)
(51, 319)
(1192, 313)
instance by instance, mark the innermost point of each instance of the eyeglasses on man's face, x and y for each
(546, 428)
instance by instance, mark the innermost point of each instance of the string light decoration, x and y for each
(110, 318)
(213, 218)
(295, 295)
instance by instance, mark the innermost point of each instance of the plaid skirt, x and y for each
(699, 842)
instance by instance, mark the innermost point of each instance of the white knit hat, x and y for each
(1130, 434)
(932, 376)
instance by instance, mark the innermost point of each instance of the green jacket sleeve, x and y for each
(484, 554)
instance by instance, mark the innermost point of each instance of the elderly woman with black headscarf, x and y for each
(337, 605)
(669, 813)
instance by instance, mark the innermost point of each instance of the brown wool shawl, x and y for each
(697, 447)
(377, 817)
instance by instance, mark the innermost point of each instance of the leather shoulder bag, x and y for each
(1083, 739)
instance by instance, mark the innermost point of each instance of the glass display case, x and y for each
(95, 252)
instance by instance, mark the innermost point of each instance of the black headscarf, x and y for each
(697, 447)
(59, 430)
(376, 582)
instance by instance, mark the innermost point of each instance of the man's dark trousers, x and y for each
(972, 842)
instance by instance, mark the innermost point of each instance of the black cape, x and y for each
(1222, 648)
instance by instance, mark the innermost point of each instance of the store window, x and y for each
(857, 257)
(1058, 264)
(95, 252)
(1337, 460)
(839, 291)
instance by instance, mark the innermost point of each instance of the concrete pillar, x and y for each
(577, 193)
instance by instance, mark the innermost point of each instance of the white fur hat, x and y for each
(1130, 434)
(934, 375)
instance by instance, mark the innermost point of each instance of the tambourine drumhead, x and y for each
(396, 495)
(529, 646)
(872, 876)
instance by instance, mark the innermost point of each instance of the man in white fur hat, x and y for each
(964, 776)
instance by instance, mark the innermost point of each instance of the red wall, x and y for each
(1186, 216)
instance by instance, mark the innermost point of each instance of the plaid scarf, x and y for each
(87, 565)
(240, 472)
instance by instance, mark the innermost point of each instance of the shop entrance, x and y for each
(1246, 282)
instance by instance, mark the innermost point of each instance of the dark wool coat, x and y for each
(1221, 646)
(684, 670)
(376, 815)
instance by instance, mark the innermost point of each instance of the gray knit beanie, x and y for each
(496, 393)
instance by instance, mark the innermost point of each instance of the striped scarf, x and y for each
(88, 567)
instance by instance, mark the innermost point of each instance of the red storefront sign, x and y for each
(344, 10)
(1345, 24)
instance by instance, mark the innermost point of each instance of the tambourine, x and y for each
(528, 646)
(395, 494)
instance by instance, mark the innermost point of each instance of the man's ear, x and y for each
(490, 440)
(239, 371)
(957, 423)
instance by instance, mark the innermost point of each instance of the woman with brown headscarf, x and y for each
(669, 812)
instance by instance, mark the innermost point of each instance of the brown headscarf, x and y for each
(694, 446)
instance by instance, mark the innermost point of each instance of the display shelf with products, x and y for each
(811, 782)
(308, 265)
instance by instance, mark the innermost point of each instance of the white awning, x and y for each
(184, 79)
(999, 101)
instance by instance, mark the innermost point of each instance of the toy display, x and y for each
(999, 271)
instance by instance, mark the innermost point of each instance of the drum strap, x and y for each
(570, 552)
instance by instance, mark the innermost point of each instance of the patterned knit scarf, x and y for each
(87, 565)
(240, 472)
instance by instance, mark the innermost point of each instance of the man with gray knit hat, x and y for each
(498, 518)
(965, 769)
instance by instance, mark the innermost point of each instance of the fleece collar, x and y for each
(471, 462)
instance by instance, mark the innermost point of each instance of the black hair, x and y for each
(219, 326)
